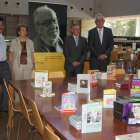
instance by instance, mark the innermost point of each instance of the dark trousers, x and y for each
(73, 72)
(4, 74)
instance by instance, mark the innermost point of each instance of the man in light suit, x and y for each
(75, 52)
(100, 41)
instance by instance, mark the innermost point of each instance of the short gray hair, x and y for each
(21, 25)
(99, 15)
(75, 24)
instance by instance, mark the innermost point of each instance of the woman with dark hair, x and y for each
(21, 60)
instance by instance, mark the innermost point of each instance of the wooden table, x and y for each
(60, 123)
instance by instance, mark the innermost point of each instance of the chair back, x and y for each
(37, 119)
(89, 71)
(9, 96)
(128, 48)
(48, 135)
(56, 74)
(120, 71)
(114, 56)
(120, 48)
(24, 109)
(115, 49)
(128, 55)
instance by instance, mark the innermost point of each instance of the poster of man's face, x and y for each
(47, 26)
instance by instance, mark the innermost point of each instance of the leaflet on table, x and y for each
(46, 89)
(40, 76)
(134, 113)
(92, 118)
(111, 72)
(109, 97)
(83, 83)
(133, 136)
(72, 87)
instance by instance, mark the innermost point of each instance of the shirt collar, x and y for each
(75, 36)
(100, 29)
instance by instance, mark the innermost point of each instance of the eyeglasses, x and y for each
(47, 23)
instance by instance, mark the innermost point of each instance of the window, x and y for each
(121, 27)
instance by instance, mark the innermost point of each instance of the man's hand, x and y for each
(75, 63)
(102, 57)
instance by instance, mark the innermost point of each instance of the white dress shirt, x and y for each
(3, 48)
(102, 31)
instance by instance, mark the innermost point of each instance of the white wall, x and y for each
(75, 13)
(112, 8)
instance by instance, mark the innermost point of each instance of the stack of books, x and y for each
(102, 75)
(122, 84)
(121, 109)
(76, 121)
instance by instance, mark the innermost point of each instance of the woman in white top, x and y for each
(21, 60)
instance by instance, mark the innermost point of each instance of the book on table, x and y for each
(111, 72)
(135, 89)
(102, 75)
(72, 87)
(122, 84)
(109, 97)
(134, 113)
(68, 103)
(40, 77)
(91, 118)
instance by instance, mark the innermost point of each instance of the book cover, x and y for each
(40, 77)
(109, 97)
(135, 94)
(135, 83)
(133, 136)
(122, 83)
(111, 72)
(134, 113)
(94, 75)
(59, 108)
(76, 118)
(83, 83)
(91, 118)
(68, 101)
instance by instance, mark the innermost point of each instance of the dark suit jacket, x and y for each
(73, 53)
(97, 48)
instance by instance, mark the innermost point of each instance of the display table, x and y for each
(60, 123)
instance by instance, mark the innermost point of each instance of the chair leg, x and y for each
(34, 133)
(19, 126)
(8, 123)
(30, 132)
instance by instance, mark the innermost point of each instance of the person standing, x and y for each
(4, 70)
(21, 59)
(75, 52)
(100, 42)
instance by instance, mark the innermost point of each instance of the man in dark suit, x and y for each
(100, 41)
(75, 52)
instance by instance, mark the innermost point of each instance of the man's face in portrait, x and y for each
(100, 22)
(76, 30)
(1, 27)
(47, 25)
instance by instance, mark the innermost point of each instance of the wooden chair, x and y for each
(120, 71)
(128, 55)
(120, 48)
(128, 48)
(56, 74)
(89, 71)
(115, 49)
(114, 56)
(37, 122)
(12, 108)
(48, 135)
(25, 112)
